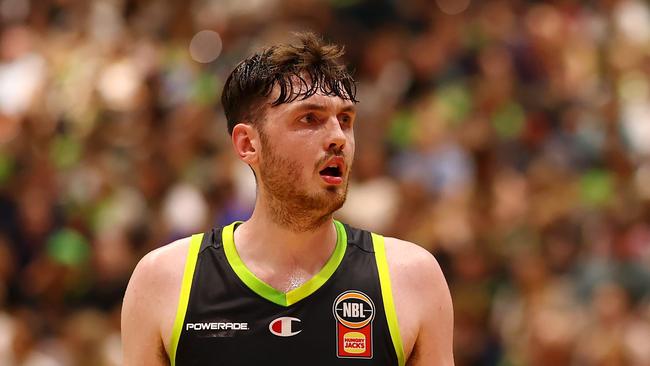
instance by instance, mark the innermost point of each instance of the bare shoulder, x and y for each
(414, 263)
(150, 301)
(163, 262)
(159, 272)
(422, 302)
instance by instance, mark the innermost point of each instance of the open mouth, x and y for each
(331, 171)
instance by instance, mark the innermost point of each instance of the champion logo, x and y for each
(283, 327)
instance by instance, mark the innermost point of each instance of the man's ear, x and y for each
(246, 142)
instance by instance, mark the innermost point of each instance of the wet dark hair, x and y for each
(299, 71)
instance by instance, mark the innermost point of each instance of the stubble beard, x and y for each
(289, 204)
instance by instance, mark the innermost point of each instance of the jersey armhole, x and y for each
(184, 297)
(387, 296)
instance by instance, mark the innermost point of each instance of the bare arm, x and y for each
(434, 344)
(149, 305)
(423, 304)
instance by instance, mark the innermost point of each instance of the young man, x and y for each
(290, 286)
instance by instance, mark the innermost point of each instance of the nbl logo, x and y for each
(354, 312)
(354, 309)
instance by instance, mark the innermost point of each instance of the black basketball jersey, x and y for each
(344, 315)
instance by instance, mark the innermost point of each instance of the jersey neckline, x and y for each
(270, 293)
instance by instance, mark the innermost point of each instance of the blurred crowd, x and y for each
(509, 138)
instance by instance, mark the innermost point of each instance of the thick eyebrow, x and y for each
(350, 108)
(320, 107)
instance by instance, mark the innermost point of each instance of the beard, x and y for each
(290, 204)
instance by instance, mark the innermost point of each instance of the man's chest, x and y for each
(338, 326)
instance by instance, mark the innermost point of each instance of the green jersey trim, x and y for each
(387, 296)
(184, 298)
(266, 291)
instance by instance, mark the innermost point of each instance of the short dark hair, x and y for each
(299, 71)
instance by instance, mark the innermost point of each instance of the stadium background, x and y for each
(510, 138)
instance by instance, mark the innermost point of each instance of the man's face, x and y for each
(307, 151)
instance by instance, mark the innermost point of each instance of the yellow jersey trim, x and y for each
(186, 286)
(268, 292)
(387, 296)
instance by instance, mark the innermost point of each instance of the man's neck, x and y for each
(279, 255)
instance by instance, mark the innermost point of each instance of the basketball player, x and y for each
(290, 286)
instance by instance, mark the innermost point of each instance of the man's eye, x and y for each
(309, 118)
(345, 119)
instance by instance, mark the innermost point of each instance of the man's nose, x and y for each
(336, 137)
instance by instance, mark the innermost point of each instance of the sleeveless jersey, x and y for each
(344, 315)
